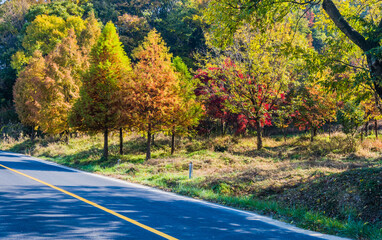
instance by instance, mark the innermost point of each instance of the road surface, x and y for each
(42, 200)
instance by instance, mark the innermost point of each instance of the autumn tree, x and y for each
(314, 108)
(248, 95)
(371, 113)
(45, 31)
(26, 89)
(97, 108)
(89, 36)
(252, 74)
(354, 23)
(58, 87)
(187, 112)
(154, 89)
(59, 90)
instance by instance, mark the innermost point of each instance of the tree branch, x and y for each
(345, 27)
(380, 25)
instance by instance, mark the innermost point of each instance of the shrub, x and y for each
(223, 144)
(195, 146)
(12, 130)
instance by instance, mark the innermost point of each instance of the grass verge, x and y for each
(332, 185)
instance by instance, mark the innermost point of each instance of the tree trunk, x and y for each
(374, 63)
(172, 142)
(259, 139)
(366, 128)
(330, 129)
(376, 128)
(106, 144)
(361, 135)
(311, 135)
(335, 15)
(153, 139)
(222, 127)
(148, 152)
(67, 135)
(284, 133)
(315, 131)
(120, 141)
(33, 134)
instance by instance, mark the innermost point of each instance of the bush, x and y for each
(195, 146)
(223, 144)
(12, 130)
(336, 144)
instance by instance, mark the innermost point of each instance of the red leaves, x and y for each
(228, 93)
(315, 107)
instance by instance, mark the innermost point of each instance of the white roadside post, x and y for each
(190, 170)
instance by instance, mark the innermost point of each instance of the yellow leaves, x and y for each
(19, 60)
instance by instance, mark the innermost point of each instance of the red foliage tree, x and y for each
(243, 97)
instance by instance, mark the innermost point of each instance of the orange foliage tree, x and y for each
(59, 90)
(49, 85)
(154, 91)
(26, 89)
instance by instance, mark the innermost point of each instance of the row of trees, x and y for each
(71, 77)
(173, 19)
(74, 89)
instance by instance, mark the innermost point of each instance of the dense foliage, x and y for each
(198, 75)
(185, 67)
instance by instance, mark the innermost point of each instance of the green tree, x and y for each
(350, 116)
(97, 108)
(178, 22)
(12, 19)
(132, 30)
(188, 111)
(62, 9)
(46, 31)
(182, 28)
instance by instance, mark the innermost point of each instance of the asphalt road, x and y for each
(62, 203)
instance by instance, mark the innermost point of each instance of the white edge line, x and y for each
(256, 216)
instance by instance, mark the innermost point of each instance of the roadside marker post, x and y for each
(190, 170)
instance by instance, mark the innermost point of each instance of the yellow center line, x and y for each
(95, 205)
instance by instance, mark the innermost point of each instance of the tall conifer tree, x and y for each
(59, 90)
(26, 89)
(97, 108)
(154, 89)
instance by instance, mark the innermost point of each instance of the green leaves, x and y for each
(98, 107)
